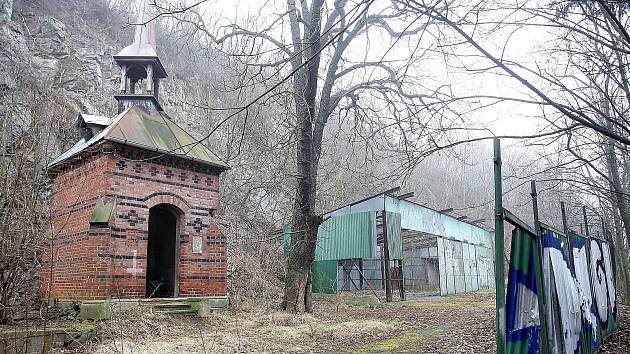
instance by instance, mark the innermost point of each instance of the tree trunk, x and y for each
(621, 202)
(305, 221)
(619, 199)
(622, 255)
(297, 297)
(308, 294)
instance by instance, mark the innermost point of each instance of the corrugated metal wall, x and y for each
(394, 239)
(485, 266)
(286, 240)
(464, 267)
(324, 275)
(345, 237)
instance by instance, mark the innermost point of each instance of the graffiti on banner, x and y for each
(578, 283)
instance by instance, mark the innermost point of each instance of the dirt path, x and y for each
(340, 324)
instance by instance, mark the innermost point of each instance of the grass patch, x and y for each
(447, 305)
(334, 330)
(361, 301)
(84, 327)
(408, 342)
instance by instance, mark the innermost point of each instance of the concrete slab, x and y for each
(98, 310)
(37, 340)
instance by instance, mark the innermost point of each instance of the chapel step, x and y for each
(179, 312)
(172, 306)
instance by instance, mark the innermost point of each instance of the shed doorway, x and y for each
(162, 252)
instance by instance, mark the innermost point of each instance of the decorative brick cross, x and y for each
(132, 217)
(198, 225)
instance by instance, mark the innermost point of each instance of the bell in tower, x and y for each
(141, 69)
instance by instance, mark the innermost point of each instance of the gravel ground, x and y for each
(340, 324)
(619, 342)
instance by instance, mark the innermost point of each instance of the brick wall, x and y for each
(69, 264)
(93, 262)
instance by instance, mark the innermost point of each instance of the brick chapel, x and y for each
(133, 201)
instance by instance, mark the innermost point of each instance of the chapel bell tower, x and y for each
(141, 69)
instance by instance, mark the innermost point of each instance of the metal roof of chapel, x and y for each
(148, 130)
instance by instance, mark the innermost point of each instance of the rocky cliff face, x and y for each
(42, 55)
(65, 48)
(6, 9)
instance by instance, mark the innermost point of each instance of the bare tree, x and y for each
(510, 68)
(320, 47)
(28, 135)
(390, 107)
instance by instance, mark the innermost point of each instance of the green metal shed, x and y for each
(459, 254)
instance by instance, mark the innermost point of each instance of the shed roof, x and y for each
(419, 218)
(152, 131)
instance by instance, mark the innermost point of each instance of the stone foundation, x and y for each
(99, 310)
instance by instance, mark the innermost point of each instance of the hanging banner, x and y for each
(589, 337)
(562, 300)
(522, 319)
(603, 281)
(578, 283)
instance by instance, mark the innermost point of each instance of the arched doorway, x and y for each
(162, 252)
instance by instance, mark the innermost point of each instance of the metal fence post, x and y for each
(388, 283)
(499, 272)
(538, 257)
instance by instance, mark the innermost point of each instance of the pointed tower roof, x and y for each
(144, 43)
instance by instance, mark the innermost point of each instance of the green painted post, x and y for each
(499, 272)
(544, 344)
